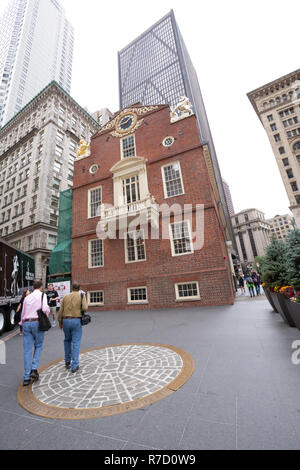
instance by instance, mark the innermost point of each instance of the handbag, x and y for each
(85, 318)
(44, 322)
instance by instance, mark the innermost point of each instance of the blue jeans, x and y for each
(73, 333)
(33, 343)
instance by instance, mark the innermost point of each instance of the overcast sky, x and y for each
(235, 47)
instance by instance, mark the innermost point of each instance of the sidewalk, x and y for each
(243, 394)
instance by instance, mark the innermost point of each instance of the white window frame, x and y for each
(172, 240)
(189, 298)
(90, 216)
(127, 261)
(90, 254)
(122, 149)
(165, 183)
(136, 184)
(134, 302)
(95, 304)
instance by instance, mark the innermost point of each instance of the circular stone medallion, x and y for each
(112, 379)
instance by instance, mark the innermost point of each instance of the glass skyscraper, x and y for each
(36, 47)
(156, 69)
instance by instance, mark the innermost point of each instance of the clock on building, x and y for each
(126, 122)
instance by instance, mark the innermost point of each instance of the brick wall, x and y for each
(161, 270)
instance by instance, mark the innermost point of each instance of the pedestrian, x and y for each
(69, 318)
(241, 283)
(250, 285)
(52, 297)
(33, 338)
(19, 310)
(256, 282)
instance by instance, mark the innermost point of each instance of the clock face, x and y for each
(126, 122)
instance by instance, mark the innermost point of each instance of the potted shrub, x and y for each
(293, 272)
(284, 296)
(274, 275)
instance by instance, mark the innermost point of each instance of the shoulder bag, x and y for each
(85, 318)
(44, 322)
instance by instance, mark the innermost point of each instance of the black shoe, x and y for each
(68, 365)
(26, 382)
(75, 370)
(34, 375)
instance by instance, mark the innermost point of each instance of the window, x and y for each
(135, 246)
(131, 190)
(281, 150)
(289, 173)
(58, 151)
(187, 291)
(277, 138)
(294, 186)
(270, 117)
(298, 158)
(57, 167)
(285, 161)
(53, 220)
(246, 217)
(128, 146)
(95, 200)
(296, 146)
(181, 238)
(137, 295)
(52, 241)
(95, 253)
(173, 185)
(95, 298)
(297, 199)
(273, 127)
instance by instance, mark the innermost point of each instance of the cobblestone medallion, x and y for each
(111, 380)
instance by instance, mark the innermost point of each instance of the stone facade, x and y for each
(252, 234)
(139, 161)
(277, 105)
(37, 152)
(281, 226)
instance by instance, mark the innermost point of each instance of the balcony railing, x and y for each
(147, 209)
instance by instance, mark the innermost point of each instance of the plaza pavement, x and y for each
(244, 392)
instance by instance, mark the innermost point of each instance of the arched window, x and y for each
(284, 97)
(278, 100)
(272, 103)
(296, 146)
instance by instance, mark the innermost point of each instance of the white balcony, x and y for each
(120, 217)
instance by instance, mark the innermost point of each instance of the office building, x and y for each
(277, 105)
(36, 47)
(252, 232)
(38, 147)
(281, 226)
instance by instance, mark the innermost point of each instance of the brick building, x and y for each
(140, 160)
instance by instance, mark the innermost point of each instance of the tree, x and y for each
(293, 259)
(274, 266)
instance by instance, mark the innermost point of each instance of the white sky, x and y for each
(235, 47)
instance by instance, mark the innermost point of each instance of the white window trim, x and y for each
(126, 250)
(134, 302)
(121, 146)
(89, 255)
(94, 304)
(172, 240)
(164, 180)
(190, 298)
(89, 202)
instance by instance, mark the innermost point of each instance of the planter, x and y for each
(280, 303)
(294, 311)
(269, 297)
